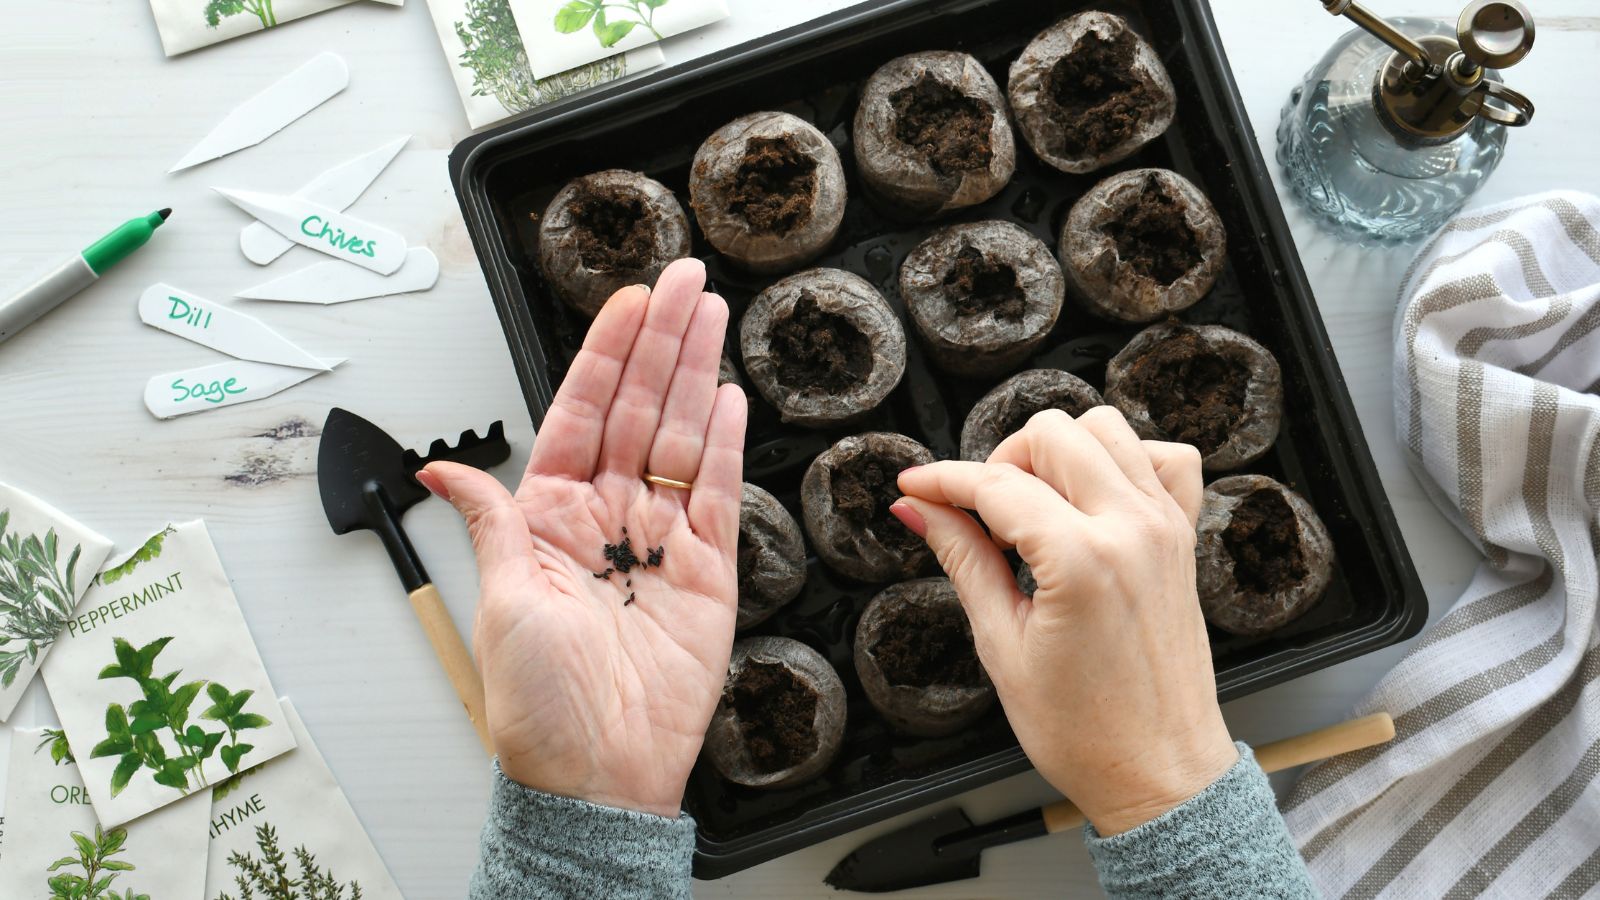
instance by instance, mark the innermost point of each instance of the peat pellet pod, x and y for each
(916, 661)
(771, 558)
(768, 191)
(781, 717)
(728, 373)
(846, 495)
(606, 231)
(1142, 245)
(1204, 385)
(1003, 411)
(1088, 92)
(932, 134)
(823, 347)
(1263, 557)
(983, 295)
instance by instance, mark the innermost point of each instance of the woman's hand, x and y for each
(590, 696)
(1106, 674)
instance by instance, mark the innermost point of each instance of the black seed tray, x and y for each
(815, 71)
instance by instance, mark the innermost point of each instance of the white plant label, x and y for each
(337, 282)
(324, 229)
(224, 384)
(338, 187)
(290, 803)
(47, 562)
(268, 112)
(213, 325)
(157, 682)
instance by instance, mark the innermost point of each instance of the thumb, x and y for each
(979, 572)
(498, 529)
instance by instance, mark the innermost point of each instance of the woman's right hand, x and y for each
(1106, 673)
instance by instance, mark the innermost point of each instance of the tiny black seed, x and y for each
(629, 600)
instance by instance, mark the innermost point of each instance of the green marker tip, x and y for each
(164, 213)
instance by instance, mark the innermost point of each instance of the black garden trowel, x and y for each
(368, 481)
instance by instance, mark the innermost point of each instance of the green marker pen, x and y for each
(20, 311)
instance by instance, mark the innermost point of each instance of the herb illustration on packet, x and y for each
(157, 682)
(191, 24)
(288, 820)
(57, 849)
(47, 562)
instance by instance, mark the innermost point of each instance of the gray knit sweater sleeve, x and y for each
(1225, 843)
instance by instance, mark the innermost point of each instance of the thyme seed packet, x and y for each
(57, 849)
(287, 820)
(158, 683)
(191, 24)
(47, 561)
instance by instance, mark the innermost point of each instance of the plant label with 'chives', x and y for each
(58, 850)
(47, 561)
(224, 384)
(157, 682)
(324, 229)
(219, 327)
(338, 187)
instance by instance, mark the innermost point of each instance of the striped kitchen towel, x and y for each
(1489, 788)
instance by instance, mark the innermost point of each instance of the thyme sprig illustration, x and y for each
(268, 876)
(134, 733)
(580, 13)
(99, 869)
(36, 595)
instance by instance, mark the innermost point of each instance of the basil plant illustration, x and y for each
(98, 868)
(36, 596)
(56, 740)
(580, 13)
(217, 10)
(268, 875)
(155, 733)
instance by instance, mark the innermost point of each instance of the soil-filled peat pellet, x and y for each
(1142, 245)
(781, 717)
(932, 134)
(1003, 411)
(916, 660)
(771, 557)
(823, 347)
(1263, 556)
(1089, 92)
(606, 231)
(768, 191)
(1204, 385)
(983, 295)
(845, 498)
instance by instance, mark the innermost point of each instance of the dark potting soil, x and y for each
(614, 232)
(1098, 97)
(748, 556)
(924, 646)
(1264, 541)
(777, 715)
(1152, 237)
(817, 349)
(948, 127)
(773, 188)
(977, 285)
(863, 490)
(1194, 395)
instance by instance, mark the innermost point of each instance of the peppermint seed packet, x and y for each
(158, 683)
(47, 561)
(190, 24)
(287, 820)
(55, 847)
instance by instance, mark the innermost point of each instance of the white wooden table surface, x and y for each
(92, 117)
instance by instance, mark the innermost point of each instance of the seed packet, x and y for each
(288, 819)
(46, 564)
(158, 683)
(190, 24)
(57, 849)
(560, 34)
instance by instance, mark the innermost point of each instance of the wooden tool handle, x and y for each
(1345, 737)
(453, 655)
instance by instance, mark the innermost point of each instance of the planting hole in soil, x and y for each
(817, 349)
(949, 128)
(614, 233)
(977, 285)
(776, 715)
(1194, 395)
(1263, 538)
(1097, 94)
(864, 489)
(774, 185)
(923, 646)
(1153, 238)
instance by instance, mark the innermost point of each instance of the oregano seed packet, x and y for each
(47, 562)
(56, 848)
(288, 820)
(158, 683)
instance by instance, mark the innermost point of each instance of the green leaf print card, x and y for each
(189, 24)
(46, 564)
(158, 683)
(287, 822)
(56, 849)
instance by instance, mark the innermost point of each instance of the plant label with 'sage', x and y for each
(224, 384)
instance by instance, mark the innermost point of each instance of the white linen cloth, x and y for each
(1489, 787)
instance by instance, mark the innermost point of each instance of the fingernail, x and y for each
(909, 469)
(910, 518)
(644, 287)
(433, 484)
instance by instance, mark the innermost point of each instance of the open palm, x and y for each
(589, 694)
